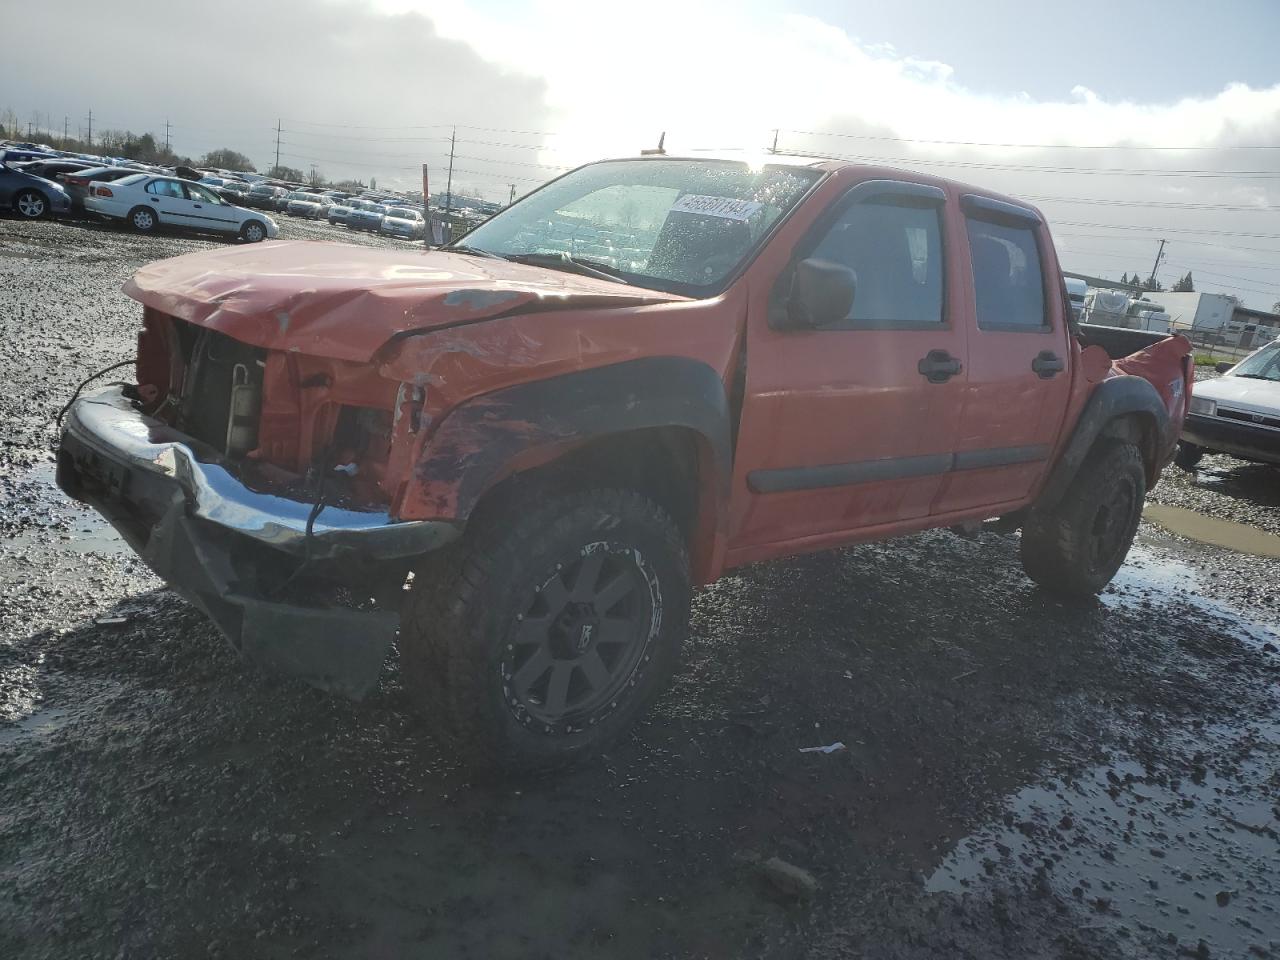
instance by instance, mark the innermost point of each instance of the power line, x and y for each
(1028, 146)
(1033, 168)
(1157, 204)
(1194, 261)
(1227, 276)
(429, 126)
(497, 175)
(1199, 243)
(1203, 233)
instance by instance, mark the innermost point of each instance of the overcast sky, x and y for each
(373, 87)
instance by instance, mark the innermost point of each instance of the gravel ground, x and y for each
(1022, 779)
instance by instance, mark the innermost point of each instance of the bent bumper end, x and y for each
(216, 542)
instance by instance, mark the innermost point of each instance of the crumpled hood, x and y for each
(1243, 393)
(344, 302)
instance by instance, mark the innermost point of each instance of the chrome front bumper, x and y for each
(109, 427)
(229, 550)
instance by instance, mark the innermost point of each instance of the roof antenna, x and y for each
(660, 150)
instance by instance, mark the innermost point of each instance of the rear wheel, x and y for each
(254, 231)
(31, 204)
(143, 219)
(1188, 455)
(542, 637)
(1076, 547)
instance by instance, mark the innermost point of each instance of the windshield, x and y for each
(1263, 365)
(677, 225)
(305, 197)
(403, 214)
(263, 190)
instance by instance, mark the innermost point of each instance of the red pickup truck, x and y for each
(521, 452)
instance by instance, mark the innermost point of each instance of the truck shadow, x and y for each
(1255, 483)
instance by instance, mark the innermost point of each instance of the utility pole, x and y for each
(1156, 266)
(65, 128)
(166, 134)
(278, 123)
(448, 189)
(774, 148)
(90, 137)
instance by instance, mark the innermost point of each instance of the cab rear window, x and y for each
(1008, 284)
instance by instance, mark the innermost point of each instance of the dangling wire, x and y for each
(84, 383)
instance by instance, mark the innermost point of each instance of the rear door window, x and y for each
(1008, 284)
(166, 188)
(895, 252)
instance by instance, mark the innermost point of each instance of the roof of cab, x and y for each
(763, 158)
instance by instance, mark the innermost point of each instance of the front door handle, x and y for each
(198, 207)
(1047, 365)
(155, 200)
(938, 366)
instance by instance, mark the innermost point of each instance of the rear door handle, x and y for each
(155, 199)
(938, 366)
(1047, 365)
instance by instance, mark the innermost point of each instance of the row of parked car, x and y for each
(37, 182)
(380, 215)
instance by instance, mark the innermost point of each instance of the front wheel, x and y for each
(253, 232)
(1187, 456)
(1074, 548)
(541, 638)
(31, 205)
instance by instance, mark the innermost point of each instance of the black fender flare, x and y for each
(476, 443)
(1112, 399)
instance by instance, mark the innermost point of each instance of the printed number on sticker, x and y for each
(726, 207)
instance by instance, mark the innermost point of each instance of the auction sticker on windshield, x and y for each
(726, 207)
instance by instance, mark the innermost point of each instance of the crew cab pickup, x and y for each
(520, 453)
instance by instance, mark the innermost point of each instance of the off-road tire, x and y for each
(1074, 548)
(1187, 456)
(468, 602)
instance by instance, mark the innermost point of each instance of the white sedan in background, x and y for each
(146, 202)
(1238, 413)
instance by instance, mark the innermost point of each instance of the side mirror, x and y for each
(821, 293)
(1222, 366)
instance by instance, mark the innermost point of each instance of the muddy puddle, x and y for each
(59, 520)
(1147, 568)
(1189, 860)
(1218, 533)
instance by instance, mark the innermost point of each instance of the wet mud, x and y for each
(1021, 778)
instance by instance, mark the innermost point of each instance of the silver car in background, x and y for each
(404, 222)
(366, 215)
(311, 205)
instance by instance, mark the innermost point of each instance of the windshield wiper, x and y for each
(463, 248)
(562, 261)
(1253, 376)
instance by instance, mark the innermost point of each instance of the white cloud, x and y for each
(715, 76)
(617, 72)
